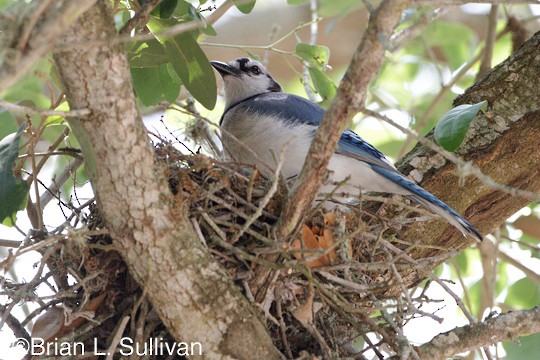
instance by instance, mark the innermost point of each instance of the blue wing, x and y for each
(292, 108)
(286, 106)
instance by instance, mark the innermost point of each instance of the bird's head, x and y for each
(244, 78)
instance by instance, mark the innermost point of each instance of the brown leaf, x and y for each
(530, 225)
(304, 312)
(310, 243)
(49, 323)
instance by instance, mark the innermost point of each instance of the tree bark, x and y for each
(502, 142)
(187, 287)
(504, 327)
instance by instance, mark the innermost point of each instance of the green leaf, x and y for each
(523, 294)
(314, 54)
(9, 124)
(328, 8)
(451, 129)
(475, 297)
(209, 30)
(147, 54)
(154, 84)
(13, 191)
(165, 9)
(54, 120)
(323, 84)
(245, 6)
(524, 348)
(189, 62)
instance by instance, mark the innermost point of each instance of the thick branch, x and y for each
(190, 291)
(502, 143)
(504, 327)
(349, 99)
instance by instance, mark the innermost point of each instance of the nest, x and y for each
(334, 274)
(321, 292)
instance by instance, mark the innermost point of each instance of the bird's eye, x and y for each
(255, 70)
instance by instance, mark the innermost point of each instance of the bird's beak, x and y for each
(225, 69)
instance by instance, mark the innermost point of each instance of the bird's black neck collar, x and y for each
(238, 103)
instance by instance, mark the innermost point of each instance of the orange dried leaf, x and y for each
(304, 312)
(330, 219)
(311, 242)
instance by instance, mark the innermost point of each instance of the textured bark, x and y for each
(502, 143)
(504, 327)
(189, 290)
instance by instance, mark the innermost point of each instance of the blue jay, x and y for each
(260, 121)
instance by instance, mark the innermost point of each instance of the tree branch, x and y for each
(508, 326)
(502, 144)
(190, 291)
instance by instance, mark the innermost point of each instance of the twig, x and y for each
(350, 284)
(487, 53)
(140, 17)
(271, 46)
(401, 38)
(9, 243)
(282, 326)
(23, 41)
(117, 337)
(42, 112)
(59, 181)
(14, 324)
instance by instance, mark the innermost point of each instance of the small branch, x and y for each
(117, 337)
(42, 112)
(530, 273)
(271, 46)
(491, 35)
(10, 243)
(18, 329)
(508, 326)
(59, 181)
(402, 37)
(140, 17)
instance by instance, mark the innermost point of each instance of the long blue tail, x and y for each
(429, 201)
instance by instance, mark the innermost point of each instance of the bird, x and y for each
(260, 121)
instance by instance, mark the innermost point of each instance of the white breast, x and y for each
(267, 138)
